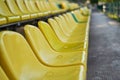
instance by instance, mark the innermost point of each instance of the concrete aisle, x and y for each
(104, 48)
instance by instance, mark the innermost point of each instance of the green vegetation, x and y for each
(106, 1)
(94, 1)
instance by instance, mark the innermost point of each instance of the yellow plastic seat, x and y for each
(4, 11)
(63, 25)
(15, 10)
(20, 63)
(85, 11)
(64, 5)
(24, 9)
(55, 42)
(31, 8)
(69, 30)
(3, 20)
(54, 8)
(79, 16)
(76, 29)
(47, 55)
(43, 7)
(3, 74)
(49, 7)
(56, 26)
(80, 27)
(73, 6)
(80, 36)
(46, 7)
(35, 8)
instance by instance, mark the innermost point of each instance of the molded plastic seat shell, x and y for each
(15, 10)
(3, 74)
(24, 9)
(30, 8)
(2, 20)
(5, 12)
(47, 55)
(57, 25)
(20, 63)
(55, 42)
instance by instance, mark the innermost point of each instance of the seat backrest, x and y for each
(56, 27)
(41, 47)
(42, 3)
(49, 34)
(71, 20)
(45, 6)
(13, 7)
(84, 11)
(34, 35)
(65, 24)
(54, 5)
(29, 6)
(4, 10)
(17, 58)
(74, 25)
(79, 16)
(22, 6)
(65, 5)
(38, 4)
(3, 74)
(67, 20)
(33, 5)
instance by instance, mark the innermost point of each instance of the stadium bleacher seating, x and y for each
(53, 43)
(3, 75)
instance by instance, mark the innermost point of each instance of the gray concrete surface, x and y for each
(104, 48)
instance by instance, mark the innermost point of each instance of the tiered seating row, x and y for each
(53, 50)
(20, 10)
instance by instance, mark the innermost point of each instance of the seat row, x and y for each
(19, 10)
(53, 50)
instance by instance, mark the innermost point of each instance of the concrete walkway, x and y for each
(104, 48)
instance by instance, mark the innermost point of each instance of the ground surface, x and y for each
(104, 48)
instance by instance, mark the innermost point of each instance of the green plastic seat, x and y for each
(55, 42)
(15, 10)
(19, 62)
(5, 12)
